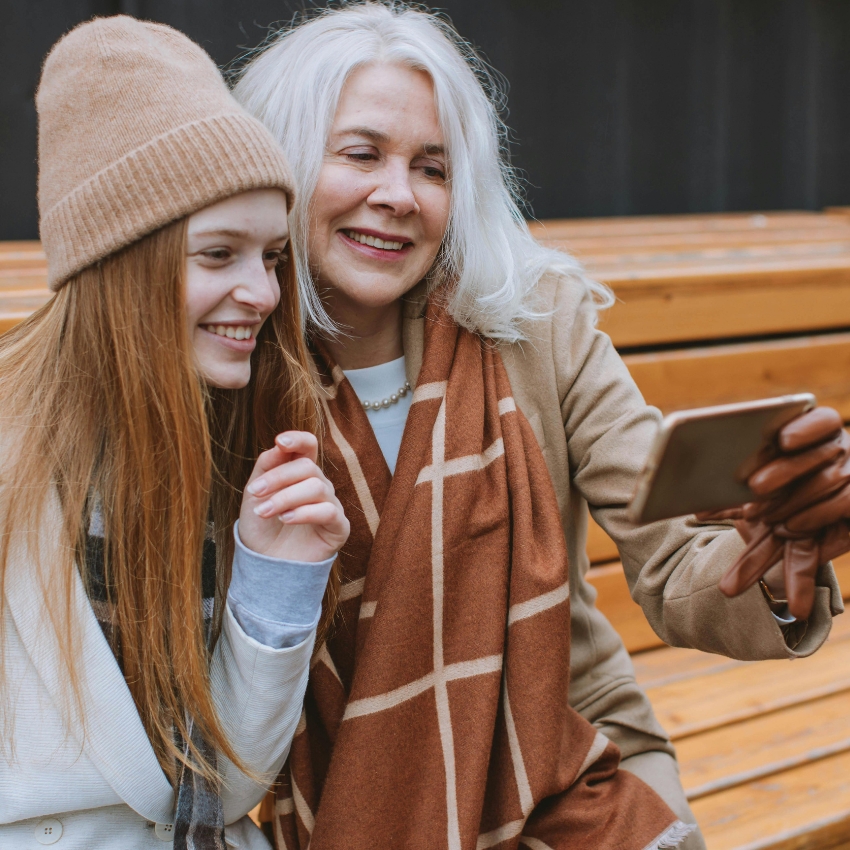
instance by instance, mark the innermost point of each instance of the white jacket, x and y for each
(101, 786)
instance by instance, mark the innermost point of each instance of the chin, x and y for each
(224, 379)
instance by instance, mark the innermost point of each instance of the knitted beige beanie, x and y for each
(137, 128)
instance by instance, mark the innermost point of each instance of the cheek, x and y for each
(204, 291)
(435, 204)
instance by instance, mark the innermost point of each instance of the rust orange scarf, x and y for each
(437, 714)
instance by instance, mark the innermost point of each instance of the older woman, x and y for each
(437, 713)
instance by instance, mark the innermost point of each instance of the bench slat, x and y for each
(677, 380)
(720, 306)
(676, 664)
(611, 228)
(805, 807)
(764, 745)
(749, 689)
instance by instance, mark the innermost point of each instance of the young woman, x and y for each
(440, 714)
(148, 693)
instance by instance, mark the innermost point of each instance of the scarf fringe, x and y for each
(672, 837)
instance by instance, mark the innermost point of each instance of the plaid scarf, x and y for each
(437, 715)
(199, 816)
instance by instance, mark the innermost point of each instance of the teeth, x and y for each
(373, 241)
(231, 331)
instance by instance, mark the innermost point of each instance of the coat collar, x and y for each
(111, 733)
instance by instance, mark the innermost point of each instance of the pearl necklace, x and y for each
(401, 392)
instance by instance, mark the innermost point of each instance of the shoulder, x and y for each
(564, 325)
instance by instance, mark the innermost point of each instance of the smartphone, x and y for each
(701, 459)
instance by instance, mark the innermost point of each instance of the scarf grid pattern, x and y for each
(437, 713)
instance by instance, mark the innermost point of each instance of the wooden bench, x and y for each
(714, 309)
(710, 309)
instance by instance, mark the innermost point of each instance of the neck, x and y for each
(370, 335)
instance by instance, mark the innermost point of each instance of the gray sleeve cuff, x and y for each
(275, 601)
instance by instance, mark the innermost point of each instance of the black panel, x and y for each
(616, 106)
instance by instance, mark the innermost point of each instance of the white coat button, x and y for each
(48, 831)
(164, 831)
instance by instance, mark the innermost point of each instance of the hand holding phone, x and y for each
(701, 460)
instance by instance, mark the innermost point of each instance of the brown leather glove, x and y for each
(802, 517)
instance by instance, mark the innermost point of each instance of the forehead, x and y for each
(394, 100)
(260, 213)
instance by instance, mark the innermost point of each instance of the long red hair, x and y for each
(102, 383)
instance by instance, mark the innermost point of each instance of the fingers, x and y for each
(762, 552)
(809, 429)
(310, 491)
(819, 487)
(801, 567)
(827, 512)
(283, 475)
(783, 470)
(834, 542)
(287, 445)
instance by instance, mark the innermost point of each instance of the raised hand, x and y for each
(802, 519)
(289, 509)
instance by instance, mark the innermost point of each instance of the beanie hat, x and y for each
(137, 129)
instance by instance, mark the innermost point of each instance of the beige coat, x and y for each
(595, 430)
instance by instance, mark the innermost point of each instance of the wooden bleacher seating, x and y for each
(715, 309)
(711, 309)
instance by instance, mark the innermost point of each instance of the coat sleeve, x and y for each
(258, 693)
(673, 566)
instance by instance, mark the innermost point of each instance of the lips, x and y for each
(238, 332)
(375, 241)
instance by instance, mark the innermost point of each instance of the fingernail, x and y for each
(285, 517)
(256, 488)
(285, 442)
(265, 508)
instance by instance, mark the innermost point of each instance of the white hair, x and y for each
(488, 256)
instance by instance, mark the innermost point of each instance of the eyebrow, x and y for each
(235, 234)
(378, 136)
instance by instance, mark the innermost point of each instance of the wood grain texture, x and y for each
(805, 807)
(748, 689)
(600, 547)
(764, 745)
(683, 305)
(612, 228)
(698, 377)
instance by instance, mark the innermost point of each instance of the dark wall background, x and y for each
(617, 106)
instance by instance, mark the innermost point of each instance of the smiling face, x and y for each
(381, 205)
(232, 249)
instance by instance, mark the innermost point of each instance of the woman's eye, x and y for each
(277, 257)
(217, 254)
(434, 172)
(361, 157)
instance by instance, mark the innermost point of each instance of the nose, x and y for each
(393, 191)
(258, 288)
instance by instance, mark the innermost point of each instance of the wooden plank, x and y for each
(764, 745)
(623, 613)
(14, 310)
(668, 664)
(677, 380)
(748, 689)
(600, 547)
(806, 807)
(675, 664)
(586, 247)
(719, 304)
(653, 224)
(33, 279)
